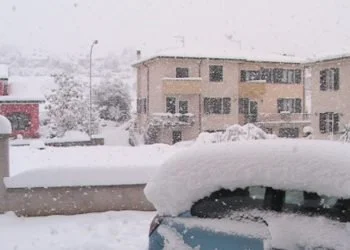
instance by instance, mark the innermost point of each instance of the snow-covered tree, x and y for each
(68, 107)
(113, 100)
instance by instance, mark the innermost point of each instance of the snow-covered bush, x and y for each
(135, 138)
(113, 100)
(68, 108)
(307, 130)
(345, 137)
(234, 133)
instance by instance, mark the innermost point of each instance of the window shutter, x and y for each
(279, 105)
(323, 83)
(298, 76)
(206, 105)
(323, 117)
(297, 105)
(336, 79)
(145, 105)
(336, 123)
(243, 75)
(243, 105)
(226, 105)
(139, 106)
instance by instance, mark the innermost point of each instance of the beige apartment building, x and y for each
(330, 96)
(179, 97)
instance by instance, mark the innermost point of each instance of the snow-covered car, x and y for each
(301, 188)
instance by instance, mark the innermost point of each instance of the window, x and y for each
(277, 75)
(183, 107)
(20, 121)
(329, 79)
(177, 136)
(217, 105)
(247, 107)
(292, 105)
(216, 73)
(171, 105)
(288, 132)
(251, 75)
(329, 122)
(221, 203)
(182, 72)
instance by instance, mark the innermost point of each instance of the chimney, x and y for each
(138, 54)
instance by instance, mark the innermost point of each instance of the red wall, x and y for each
(31, 109)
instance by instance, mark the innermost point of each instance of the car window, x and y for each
(311, 203)
(222, 202)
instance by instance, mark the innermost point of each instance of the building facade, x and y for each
(330, 97)
(22, 112)
(180, 97)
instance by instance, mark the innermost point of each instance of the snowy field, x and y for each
(99, 231)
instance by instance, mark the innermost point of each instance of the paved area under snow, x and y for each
(98, 231)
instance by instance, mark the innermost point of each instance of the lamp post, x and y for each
(90, 99)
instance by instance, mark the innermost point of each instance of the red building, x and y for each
(21, 110)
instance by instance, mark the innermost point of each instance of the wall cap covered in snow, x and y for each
(5, 126)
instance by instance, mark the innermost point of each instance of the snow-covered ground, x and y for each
(98, 231)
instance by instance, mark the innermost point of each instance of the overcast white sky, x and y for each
(302, 27)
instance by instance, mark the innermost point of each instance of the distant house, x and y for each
(19, 106)
(183, 93)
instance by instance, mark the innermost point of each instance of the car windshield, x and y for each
(223, 202)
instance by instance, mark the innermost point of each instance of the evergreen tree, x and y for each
(68, 107)
(113, 100)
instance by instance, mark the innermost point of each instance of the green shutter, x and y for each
(336, 79)
(297, 105)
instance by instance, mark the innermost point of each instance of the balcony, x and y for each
(182, 86)
(172, 120)
(271, 118)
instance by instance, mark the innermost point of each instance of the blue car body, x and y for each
(195, 237)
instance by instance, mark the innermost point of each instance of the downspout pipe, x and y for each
(147, 87)
(200, 98)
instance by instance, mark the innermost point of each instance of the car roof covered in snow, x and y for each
(192, 174)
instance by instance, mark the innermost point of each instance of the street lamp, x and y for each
(90, 100)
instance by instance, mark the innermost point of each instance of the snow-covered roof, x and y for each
(310, 165)
(223, 53)
(4, 71)
(5, 125)
(28, 89)
(328, 57)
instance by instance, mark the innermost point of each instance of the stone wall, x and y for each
(74, 200)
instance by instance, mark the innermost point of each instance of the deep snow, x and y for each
(97, 231)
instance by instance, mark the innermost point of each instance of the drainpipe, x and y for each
(144, 64)
(200, 99)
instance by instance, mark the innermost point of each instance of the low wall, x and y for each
(74, 200)
(92, 142)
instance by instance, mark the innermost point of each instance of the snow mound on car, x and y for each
(310, 165)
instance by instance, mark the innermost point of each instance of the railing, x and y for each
(172, 120)
(277, 117)
(187, 86)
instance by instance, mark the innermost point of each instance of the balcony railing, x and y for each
(277, 118)
(185, 86)
(172, 120)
